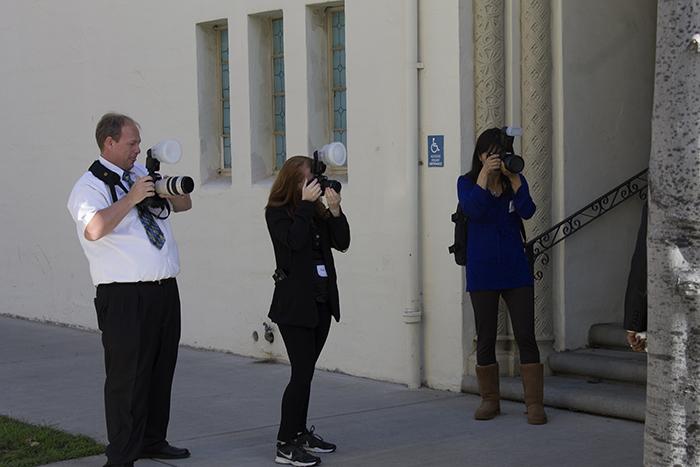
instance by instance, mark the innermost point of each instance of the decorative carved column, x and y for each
(536, 117)
(489, 66)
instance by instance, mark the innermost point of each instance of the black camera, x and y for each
(513, 162)
(166, 151)
(332, 154)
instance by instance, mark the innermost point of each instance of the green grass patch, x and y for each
(25, 445)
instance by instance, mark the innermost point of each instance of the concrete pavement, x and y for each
(226, 409)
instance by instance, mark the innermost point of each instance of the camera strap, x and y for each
(110, 178)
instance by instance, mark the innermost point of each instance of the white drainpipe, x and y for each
(412, 314)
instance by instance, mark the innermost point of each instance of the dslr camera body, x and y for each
(168, 151)
(513, 162)
(333, 154)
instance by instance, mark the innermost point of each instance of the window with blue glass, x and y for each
(225, 103)
(278, 108)
(338, 112)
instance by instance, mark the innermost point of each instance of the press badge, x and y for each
(321, 269)
(511, 207)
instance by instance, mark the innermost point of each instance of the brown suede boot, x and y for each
(533, 387)
(490, 394)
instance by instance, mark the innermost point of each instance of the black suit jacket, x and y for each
(294, 301)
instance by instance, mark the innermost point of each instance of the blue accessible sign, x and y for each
(436, 150)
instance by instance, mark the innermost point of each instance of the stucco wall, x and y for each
(78, 59)
(82, 59)
(607, 65)
(440, 85)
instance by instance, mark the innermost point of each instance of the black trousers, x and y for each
(521, 306)
(140, 324)
(636, 293)
(303, 345)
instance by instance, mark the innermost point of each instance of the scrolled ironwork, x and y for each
(538, 246)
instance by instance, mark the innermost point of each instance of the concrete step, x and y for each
(610, 335)
(619, 400)
(604, 364)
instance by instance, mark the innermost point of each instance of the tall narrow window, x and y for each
(222, 40)
(213, 101)
(278, 107)
(338, 110)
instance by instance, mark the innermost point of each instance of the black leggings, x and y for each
(521, 305)
(303, 345)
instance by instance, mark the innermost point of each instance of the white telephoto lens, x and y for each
(514, 131)
(174, 185)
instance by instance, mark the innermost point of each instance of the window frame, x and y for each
(218, 29)
(330, 11)
(274, 94)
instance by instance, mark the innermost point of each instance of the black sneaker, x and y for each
(314, 443)
(292, 454)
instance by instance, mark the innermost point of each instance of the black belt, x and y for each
(158, 282)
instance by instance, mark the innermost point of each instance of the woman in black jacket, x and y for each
(303, 231)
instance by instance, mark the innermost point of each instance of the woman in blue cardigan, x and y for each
(495, 202)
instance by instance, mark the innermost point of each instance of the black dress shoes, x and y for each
(165, 452)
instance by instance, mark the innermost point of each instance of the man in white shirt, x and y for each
(133, 260)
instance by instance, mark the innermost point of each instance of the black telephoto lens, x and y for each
(515, 164)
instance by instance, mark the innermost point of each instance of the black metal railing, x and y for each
(538, 247)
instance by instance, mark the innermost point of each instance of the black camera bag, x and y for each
(459, 247)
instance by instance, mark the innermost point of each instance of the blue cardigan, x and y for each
(496, 257)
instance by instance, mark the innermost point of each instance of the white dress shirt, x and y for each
(125, 254)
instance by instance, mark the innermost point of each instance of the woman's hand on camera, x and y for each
(333, 199)
(492, 165)
(515, 181)
(311, 191)
(143, 188)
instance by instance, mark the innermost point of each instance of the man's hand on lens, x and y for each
(311, 191)
(143, 188)
(333, 199)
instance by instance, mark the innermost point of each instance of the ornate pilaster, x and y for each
(536, 116)
(489, 66)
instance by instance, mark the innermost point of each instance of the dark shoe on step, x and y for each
(312, 442)
(165, 452)
(293, 454)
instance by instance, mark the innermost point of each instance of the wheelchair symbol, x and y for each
(434, 147)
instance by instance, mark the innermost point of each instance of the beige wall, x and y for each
(607, 65)
(84, 58)
(66, 63)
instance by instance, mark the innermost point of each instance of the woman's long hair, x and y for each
(489, 141)
(286, 189)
